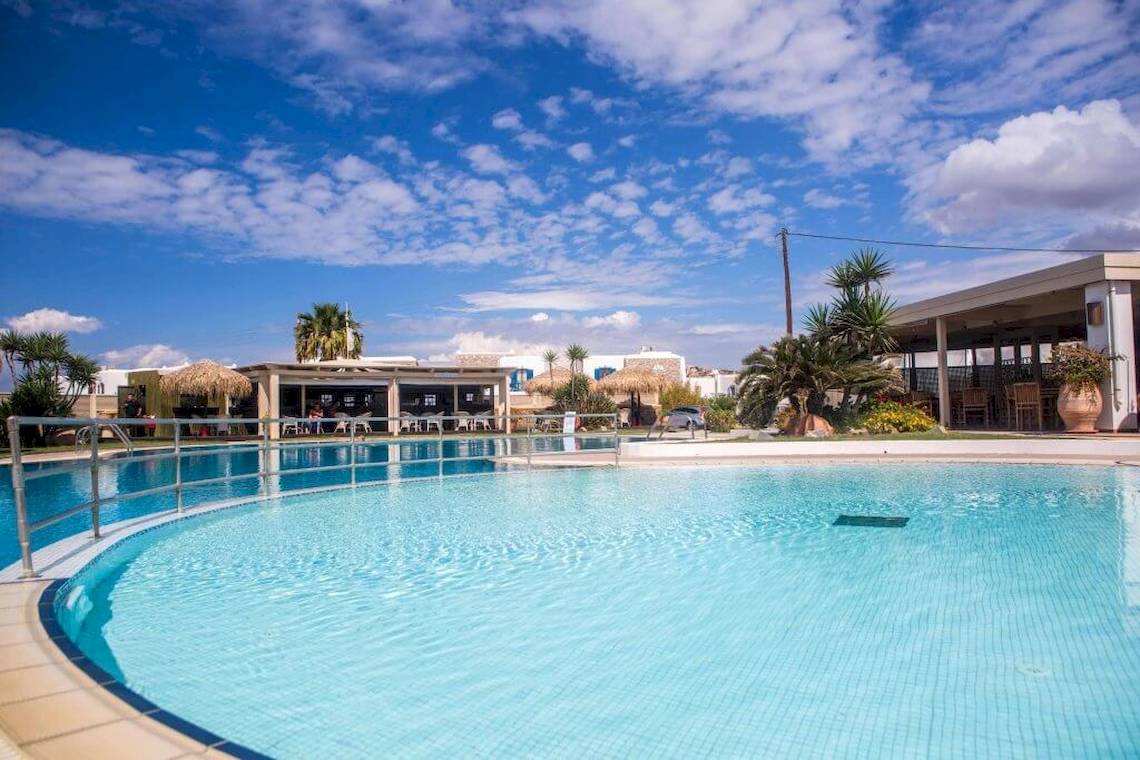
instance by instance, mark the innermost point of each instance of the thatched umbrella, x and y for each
(546, 383)
(206, 378)
(635, 379)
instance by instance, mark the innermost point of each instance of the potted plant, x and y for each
(1082, 371)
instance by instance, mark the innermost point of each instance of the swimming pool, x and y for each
(125, 473)
(671, 612)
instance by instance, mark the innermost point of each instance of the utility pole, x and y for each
(787, 278)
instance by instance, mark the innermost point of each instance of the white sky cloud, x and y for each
(581, 151)
(144, 355)
(508, 118)
(487, 159)
(819, 199)
(395, 146)
(552, 107)
(53, 320)
(621, 320)
(1070, 162)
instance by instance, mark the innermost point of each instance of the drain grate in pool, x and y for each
(871, 521)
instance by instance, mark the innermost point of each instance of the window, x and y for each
(468, 396)
(429, 399)
(601, 372)
(487, 392)
(519, 378)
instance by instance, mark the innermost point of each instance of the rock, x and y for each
(811, 424)
(858, 431)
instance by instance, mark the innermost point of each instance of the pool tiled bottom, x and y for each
(676, 613)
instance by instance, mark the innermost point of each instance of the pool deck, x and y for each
(1099, 450)
(49, 708)
(52, 708)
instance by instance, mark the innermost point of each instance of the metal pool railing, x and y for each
(267, 438)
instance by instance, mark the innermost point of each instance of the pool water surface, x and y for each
(645, 612)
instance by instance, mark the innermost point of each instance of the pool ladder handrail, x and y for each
(83, 435)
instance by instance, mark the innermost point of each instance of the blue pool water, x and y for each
(674, 613)
(124, 474)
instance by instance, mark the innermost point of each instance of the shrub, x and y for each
(721, 401)
(720, 420)
(589, 403)
(893, 417)
(679, 395)
(1081, 368)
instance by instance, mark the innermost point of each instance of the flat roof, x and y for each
(351, 367)
(1024, 287)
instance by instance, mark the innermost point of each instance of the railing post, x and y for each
(617, 439)
(439, 453)
(95, 480)
(265, 457)
(178, 466)
(529, 440)
(26, 569)
(352, 452)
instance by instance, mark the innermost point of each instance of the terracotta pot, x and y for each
(1079, 410)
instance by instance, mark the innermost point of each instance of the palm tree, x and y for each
(866, 268)
(803, 369)
(577, 354)
(319, 335)
(11, 344)
(858, 315)
(550, 357)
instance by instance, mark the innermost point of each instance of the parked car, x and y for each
(686, 418)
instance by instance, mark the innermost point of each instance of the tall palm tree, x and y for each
(863, 270)
(577, 354)
(321, 334)
(550, 357)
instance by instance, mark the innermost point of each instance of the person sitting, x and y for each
(315, 414)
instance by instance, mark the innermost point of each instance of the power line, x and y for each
(962, 247)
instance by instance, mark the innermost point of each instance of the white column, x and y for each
(274, 391)
(1115, 336)
(394, 406)
(505, 402)
(943, 374)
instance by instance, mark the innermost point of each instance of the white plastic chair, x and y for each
(480, 421)
(623, 416)
(434, 419)
(290, 426)
(464, 421)
(342, 424)
(362, 422)
(409, 422)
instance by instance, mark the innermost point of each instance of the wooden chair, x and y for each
(1027, 398)
(920, 399)
(975, 400)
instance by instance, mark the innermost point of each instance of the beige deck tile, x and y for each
(27, 654)
(121, 740)
(15, 633)
(45, 717)
(18, 594)
(39, 681)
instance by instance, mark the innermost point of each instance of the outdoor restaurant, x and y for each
(1003, 334)
(370, 392)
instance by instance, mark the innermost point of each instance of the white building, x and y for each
(713, 382)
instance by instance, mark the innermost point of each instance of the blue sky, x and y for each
(177, 180)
